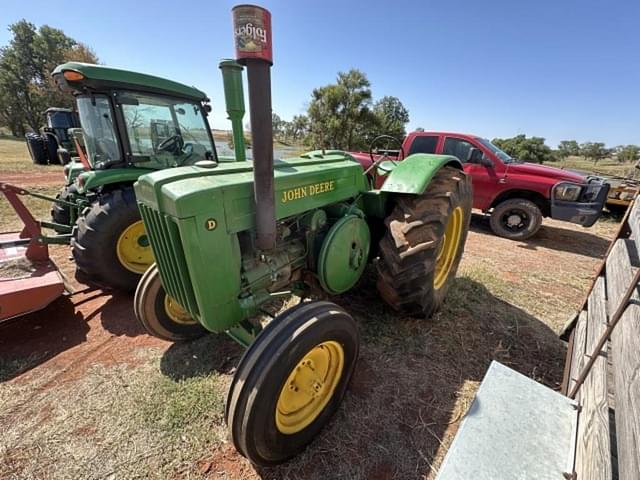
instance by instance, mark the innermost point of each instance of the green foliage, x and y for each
(342, 115)
(594, 151)
(627, 153)
(568, 148)
(531, 149)
(26, 87)
(391, 116)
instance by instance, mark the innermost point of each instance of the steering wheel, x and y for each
(388, 140)
(173, 144)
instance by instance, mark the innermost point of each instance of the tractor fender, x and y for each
(88, 181)
(414, 173)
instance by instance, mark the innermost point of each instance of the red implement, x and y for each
(29, 280)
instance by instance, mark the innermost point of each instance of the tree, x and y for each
(628, 153)
(593, 151)
(340, 114)
(391, 116)
(531, 149)
(277, 124)
(568, 148)
(26, 87)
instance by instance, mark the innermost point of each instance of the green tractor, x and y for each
(132, 124)
(229, 237)
(43, 147)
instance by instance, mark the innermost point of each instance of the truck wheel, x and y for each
(36, 148)
(159, 313)
(423, 243)
(291, 381)
(516, 219)
(62, 213)
(109, 244)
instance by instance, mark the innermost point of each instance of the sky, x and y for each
(559, 69)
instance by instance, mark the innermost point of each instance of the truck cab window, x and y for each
(458, 148)
(424, 144)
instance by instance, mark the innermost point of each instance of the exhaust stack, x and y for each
(234, 99)
(252, 37)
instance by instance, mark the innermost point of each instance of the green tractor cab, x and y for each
(43, 146)
(132, 124)
(228, 238)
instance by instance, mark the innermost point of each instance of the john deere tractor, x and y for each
(132, 124)
(229, 237)
(43, 146)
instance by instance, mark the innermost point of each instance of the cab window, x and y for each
(426, 144)
(458, 148)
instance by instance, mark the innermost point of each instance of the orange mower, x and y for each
(29, 280)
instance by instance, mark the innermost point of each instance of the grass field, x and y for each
(85, 393)
(604, 167)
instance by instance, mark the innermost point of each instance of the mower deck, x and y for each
(25, 285)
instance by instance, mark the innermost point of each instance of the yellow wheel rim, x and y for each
(448, 248)
(309, 387)
(133, 248)
(176, 313)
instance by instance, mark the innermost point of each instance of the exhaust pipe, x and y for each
(234, 100)
(252, 37)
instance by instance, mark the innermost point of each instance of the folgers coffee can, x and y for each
(252, 33)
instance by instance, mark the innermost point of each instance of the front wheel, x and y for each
(291, 381)
(61, 213)
(423, 243)
(516, 219)
(109, 244)
(160, 314)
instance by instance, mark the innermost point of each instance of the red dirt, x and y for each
(36, 179)
(75, 331)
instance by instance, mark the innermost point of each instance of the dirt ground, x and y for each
(86, 393)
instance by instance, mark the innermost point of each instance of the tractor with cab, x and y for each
(132, 124)
(230, 237)
(43, 146)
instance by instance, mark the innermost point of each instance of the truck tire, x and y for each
(62, 213)
(423, 243)
(109, 244)
(36, 148)
(516, 219)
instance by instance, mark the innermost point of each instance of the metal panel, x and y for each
(515, 429)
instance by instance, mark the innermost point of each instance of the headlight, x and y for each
(567, 192)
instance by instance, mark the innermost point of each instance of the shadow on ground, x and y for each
(200, 357)
(580, 242)
(30, 340)
(413, 383)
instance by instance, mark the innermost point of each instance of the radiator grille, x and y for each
(169, 255)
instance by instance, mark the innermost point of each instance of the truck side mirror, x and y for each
(476, 156)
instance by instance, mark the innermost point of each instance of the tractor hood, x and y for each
(545, 171)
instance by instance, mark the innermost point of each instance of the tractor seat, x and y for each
(386, 167)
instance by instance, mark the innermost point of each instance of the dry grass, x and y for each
(607, 166)
(14, 158)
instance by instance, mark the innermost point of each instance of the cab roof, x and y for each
(101, 77)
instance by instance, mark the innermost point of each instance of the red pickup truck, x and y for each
(515, 194)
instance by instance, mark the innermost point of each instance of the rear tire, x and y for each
(290, 381)
(159, 314)
(51, 147)
(516, 219)
(99, 238)
(36, 147)
(417, 263)
(62, 213)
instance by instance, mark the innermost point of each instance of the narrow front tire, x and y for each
(291, 381)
